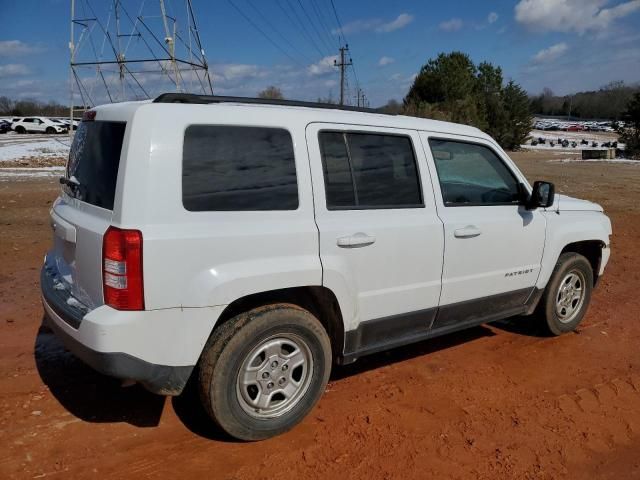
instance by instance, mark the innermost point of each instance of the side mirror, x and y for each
(542, 195)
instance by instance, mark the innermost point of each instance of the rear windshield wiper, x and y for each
(70, 182)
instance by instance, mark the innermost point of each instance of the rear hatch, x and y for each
(83, 212)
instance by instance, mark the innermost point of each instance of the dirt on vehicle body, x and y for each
(497, 401)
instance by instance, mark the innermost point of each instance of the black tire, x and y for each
(231, 345)
(50, 130)
(548, 308)
(21, 130)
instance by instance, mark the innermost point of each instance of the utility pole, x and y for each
(342, 65)
(361, 98)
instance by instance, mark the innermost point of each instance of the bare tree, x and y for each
(272, 92)
(5, 105)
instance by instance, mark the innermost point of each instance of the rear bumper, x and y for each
(156, 348)
(160, 379)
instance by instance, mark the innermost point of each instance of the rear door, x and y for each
(83, 212)
(493, 244)
(381, 241)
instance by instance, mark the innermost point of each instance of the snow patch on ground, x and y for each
(595, 160)
(52, 147)
(12, 173)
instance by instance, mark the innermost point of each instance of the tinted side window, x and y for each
(363, 170)
(472, 174)
(229, 168)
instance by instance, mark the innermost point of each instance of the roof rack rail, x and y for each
(205, 99)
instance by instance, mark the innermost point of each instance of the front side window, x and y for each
(228, 168)
(369, 170)
(472, 174)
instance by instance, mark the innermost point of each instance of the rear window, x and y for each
(227, 168)
(93, 162)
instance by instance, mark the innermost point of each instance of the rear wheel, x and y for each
(568, 293)
(20, 129)
(264, 370)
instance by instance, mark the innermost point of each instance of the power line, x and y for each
(264, 18)
(313, 25)
(253, 24)
(325, 26)
(303, 27)
(335, 13)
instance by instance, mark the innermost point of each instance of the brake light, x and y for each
(122, 269)
(89, 116)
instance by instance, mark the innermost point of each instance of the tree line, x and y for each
(608, 102)
(22, 108)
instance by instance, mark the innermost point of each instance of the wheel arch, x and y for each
(318, 300)
(591, 250)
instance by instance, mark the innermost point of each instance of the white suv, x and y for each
(39, 125)
(250, 244)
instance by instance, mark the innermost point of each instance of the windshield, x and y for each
(93, 162)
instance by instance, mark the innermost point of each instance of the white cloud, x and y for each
(492, 17)
(324, 66)
(375, 24)
(14, 70)
(13, 48)
(402, 21)
(571, 15)
(385, 61)
(358, 26)
(550, 54)
(452, 25)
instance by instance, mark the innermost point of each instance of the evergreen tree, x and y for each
(451, 87)
(517, 126)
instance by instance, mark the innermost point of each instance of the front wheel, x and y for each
(568, 293)
(264, 370)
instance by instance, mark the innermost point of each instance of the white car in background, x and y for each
(39, 125)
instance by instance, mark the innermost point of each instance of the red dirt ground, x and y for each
(495, 402)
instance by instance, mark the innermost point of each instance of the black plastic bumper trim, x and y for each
(160, 379)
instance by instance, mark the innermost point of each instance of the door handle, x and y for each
(356, 240)
(469, 231)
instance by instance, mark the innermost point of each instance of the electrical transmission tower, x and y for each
(343, 64)
(134, 49)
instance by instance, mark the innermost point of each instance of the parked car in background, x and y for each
(38, 125)
(5, 126)
(68, 123)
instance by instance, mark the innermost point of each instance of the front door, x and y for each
(493, 245)
(381, 241)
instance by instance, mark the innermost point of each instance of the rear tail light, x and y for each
(122, 269)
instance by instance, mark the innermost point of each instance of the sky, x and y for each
(566, 45)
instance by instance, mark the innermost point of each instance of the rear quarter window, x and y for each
(229, 168)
